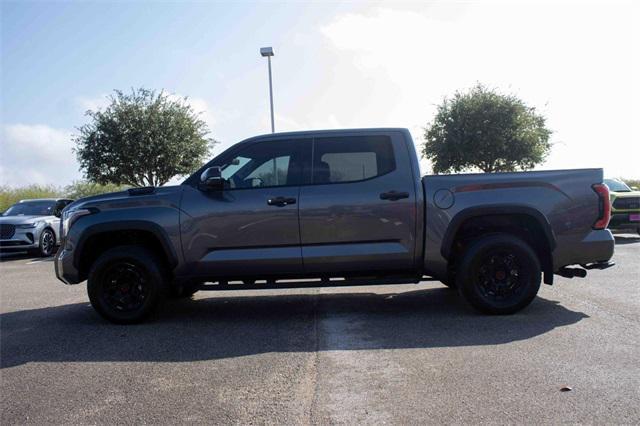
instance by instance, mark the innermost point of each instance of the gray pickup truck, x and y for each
(335, 208)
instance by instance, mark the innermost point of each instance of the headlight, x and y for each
(28, 225)
(70, 216)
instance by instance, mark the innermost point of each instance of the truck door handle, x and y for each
(393, 195)
(281, 201)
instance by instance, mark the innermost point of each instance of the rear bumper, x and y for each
(597, 246)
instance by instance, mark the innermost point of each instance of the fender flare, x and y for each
(493, 210)
(128, 225)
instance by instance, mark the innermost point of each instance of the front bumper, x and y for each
(622, 220)
(21, 240)
(65, 269)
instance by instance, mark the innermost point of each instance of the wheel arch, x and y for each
(97, 238)
(522, 221)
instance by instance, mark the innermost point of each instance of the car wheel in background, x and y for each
(126, 284)
(47, 243)
(499, 274)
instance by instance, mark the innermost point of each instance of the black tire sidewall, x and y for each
(472, 259)
(143, 259)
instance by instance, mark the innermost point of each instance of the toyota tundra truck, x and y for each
(335, 208)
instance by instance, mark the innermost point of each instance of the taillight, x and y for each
(604, 204)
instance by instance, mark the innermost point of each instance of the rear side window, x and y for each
(351, 159)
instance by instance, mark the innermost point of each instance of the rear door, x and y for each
(358, 215)
(251, 227)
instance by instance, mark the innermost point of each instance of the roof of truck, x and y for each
(307, 133)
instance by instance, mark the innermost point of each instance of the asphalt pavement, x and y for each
(380, 354)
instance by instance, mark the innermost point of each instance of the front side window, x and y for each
(351, 159)
(265, 164)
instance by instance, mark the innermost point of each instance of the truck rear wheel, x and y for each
(125, 284)
(499, 274)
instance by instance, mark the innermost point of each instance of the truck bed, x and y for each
(563, 200)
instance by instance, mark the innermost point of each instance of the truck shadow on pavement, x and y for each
(226, 327)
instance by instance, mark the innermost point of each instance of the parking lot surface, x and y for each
(393, 354)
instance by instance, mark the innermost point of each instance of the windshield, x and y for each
(31, 208)
(617, 186)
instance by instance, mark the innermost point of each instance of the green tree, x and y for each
(487, 130)
(142, 138)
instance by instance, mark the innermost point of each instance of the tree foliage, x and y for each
(83, 188)
(487, 130)
(10, 196)
(142, 138)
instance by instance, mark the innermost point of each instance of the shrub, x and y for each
(10, 196)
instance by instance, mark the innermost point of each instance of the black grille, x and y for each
(627, 203)
(7, 231)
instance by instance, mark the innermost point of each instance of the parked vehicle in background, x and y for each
(32, 225)
(625, 206)
(335, 208)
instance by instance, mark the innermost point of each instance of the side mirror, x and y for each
(212, 179)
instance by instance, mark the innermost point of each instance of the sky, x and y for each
(336, 65)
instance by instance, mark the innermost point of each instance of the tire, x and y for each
(126, 284)
(47, 243)
(499, 274)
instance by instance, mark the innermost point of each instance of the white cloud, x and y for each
(37, 154)
(571, 61)
(92, 103)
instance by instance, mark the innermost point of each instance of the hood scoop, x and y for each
(146, 190)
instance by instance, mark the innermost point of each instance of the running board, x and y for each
(284, 283)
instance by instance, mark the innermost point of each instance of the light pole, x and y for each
(268, 52)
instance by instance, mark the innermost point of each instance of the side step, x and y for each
(270, 284)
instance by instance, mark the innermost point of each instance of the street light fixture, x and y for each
(268, 52)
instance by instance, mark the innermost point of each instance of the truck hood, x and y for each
(625, 194)
(123, 196)
(22, 220)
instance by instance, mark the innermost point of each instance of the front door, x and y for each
(251, 227)
(359, 213)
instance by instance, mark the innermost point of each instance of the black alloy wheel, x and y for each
(125, 287)
(126, 284)
(499, 274)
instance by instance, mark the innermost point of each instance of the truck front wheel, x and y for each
(125, 284)
(499, 274)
